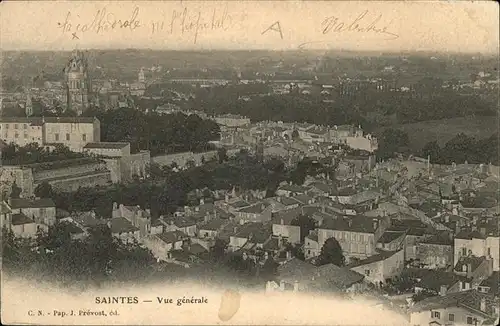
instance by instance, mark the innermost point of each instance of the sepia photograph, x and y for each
(250, 163)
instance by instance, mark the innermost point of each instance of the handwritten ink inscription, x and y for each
(103, 21)
(180, 22)
(194, 22)
(361, 24)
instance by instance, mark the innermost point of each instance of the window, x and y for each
(451, 317)
(436, 314)
(367, 272)
(470, 321)
(26, 135)
(25, 126)
(67, 137)
(84, 137)
(56, 137)
(464, 268)
(489, 251)
(15, 126)
(464, 251)
(16, 135)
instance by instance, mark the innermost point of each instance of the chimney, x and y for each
(282, 222)
(206, 218)
(202, 201)
(323, 209)
(296, 286)
(483, 305)
(288, 255)
(235, 229)
(442, 290)
(226, 198)
(469, 268)
(109, 224)
(92, 214)
(242, 222)
(375, 224)
(282, 285)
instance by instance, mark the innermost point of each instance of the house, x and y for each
(259, 212)
(357, 235)
(290, 190)
(380, 267)
(23, 226)
(212, 228)
(138, 217)
(123, 229)
(478, 244)
(328, 278)
(491, 285)
(183, 224)
(162, 244)
(305, 199)
(282, 225)
(391, 240)
(435, 252)
(41, 210)
(460, 308)
(5, 215)
(475, 268)
(251, 235)
(311, 245)
(441, 282)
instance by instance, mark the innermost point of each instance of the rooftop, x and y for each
(106, 145)
(172, 236)
(470, 300)
(122, 225)
(40, 120)
(258, 231)
(382, 255)
(31, 203)
(473, 261)
(356, 223)
(20, 219)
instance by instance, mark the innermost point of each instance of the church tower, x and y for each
(141, 77)
(78, 84)
(28, 109)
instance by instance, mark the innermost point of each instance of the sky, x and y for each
(442, 26)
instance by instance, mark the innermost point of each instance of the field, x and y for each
(421, 133)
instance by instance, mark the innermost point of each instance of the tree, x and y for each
(423, 294)
(392, 141)
(331, 253)
(222, 155)
(15, 191)
(432, 150)
(218, 250)
(306, 225)
(44, 190)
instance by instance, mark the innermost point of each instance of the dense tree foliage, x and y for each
(331, 253)
(463, 148)
(33, 153)
(158, 133)
(391, 142)
(97, 257)
(167, 190)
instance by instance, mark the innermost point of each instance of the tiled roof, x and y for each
(260, 232)
(470, 300)
(434, 279)
(19, 219)
(87, 220)
(492, 282)
(38, 120)
(313, 236)
(287, 216)
(213, 225)
(122, 225)
(472, 260)
(4, 208)
(390, 236)
(32, 203)
(106, 145)
(255, 208)
(382, 255)
(172, 236)
(356, 223)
